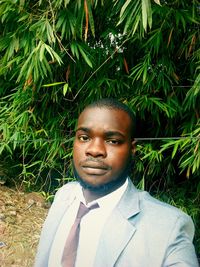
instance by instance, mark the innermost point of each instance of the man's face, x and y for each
(102, 147)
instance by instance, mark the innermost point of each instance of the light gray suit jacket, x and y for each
(140, 232)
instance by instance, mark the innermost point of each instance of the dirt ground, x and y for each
(21, 218)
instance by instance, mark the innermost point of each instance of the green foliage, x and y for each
(56, 56)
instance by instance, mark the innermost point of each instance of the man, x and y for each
(127, 227)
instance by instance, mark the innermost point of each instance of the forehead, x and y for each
(105, 119)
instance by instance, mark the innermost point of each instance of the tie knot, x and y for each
(83, 210)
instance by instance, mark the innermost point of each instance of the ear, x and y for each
(133, 146)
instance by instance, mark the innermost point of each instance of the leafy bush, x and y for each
(56, 56)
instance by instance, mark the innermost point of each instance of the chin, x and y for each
(98, 188)
(104, 188)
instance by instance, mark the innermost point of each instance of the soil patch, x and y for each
(21, 218)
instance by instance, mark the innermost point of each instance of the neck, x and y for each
(91, 195)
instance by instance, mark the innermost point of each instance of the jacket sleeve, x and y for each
(58, 207)
(180, 251)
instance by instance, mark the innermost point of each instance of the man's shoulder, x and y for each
(161, 211)
(152, 205)
(67, 190)
(69, 185)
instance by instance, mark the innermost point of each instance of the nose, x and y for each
(96, 148)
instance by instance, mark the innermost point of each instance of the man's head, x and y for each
(103, 145)
(112, 103)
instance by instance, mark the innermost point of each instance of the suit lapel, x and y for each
(119, 229)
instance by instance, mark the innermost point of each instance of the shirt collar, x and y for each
(108, 201)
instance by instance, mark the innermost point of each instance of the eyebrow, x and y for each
(84, 129)
(107, 133)
(113, 133)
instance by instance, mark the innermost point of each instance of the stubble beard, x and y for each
(107, 187)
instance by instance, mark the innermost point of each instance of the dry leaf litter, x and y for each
(21, 218)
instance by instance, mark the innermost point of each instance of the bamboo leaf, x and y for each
(53, 54)
(157, 2)
(176, 145)
(50, 33)
(86, 19)
(87, 60)
(124, 7)
(91, 19)
(65, 88)
(52, 84)
(42, 49)
(144, 13)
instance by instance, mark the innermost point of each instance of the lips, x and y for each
(94, 171)
(95, 167)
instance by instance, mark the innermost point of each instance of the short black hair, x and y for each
(113, 103)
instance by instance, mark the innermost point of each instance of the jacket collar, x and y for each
(129, 203)
(119, 228)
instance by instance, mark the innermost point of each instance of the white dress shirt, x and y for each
(90, 227)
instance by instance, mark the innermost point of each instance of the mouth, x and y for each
(94, 168)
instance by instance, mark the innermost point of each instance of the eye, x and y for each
(114, 141)
(83, 138)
